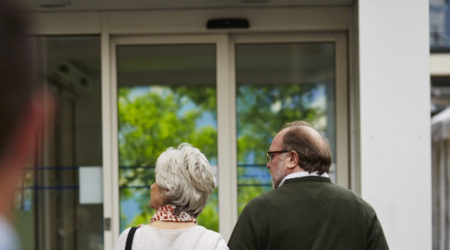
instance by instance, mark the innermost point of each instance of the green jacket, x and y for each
(308, 213)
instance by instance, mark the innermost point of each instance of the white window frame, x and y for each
(341, 78)
(226, 111)
(225, 121)
(266, 21)
(304, 20)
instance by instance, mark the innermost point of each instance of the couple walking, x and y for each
(304, 211)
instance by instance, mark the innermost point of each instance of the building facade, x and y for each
(132, 79)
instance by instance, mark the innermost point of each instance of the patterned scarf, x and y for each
(167, 213)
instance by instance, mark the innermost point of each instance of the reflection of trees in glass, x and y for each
(261, 112)
(152, 119)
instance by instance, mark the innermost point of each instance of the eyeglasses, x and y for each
(271, 154)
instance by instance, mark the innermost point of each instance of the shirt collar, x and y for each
(8, 238)
(302, 174)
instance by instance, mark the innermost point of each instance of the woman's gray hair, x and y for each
(185, 178)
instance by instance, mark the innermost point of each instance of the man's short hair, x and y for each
(17, 74)
(313, 150)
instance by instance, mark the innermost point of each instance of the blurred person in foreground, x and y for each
(305, 210)
(23, 112)
(184, 182)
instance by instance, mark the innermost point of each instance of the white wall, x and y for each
(395, 118)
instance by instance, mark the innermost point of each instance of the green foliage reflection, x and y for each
(151, 119)
(154, 118)
(262, 110)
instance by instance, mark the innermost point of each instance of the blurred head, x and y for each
(183, 179)
(304, 149)
(18, 82)
(22, 109)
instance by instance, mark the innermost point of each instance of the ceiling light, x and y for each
(52, 3)
(254, 1)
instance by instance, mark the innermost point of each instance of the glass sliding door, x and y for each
(166, 95)
(51, 211)
(277, 83)
(227, 95)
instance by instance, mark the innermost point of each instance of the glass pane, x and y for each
(440, 170)
(279, 83)
(166, 96)
(440, 25)
(50, 214)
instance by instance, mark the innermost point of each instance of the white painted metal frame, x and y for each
(107, 139)
(226, 110)
(225, 122)
(192, 21)
(353, 103)
(342, 115)
(342, 120)
(226, 105)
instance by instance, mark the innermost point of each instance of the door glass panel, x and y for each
(166, 96)
(50, 214)
(279, 83)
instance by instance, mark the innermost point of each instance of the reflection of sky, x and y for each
(138, 91)
(250, 157)
(440, 23)
(186, 108)
(318, 97)
(130, 208)
(315, 98)
(206, 118)
(27, 205)
(261, 174)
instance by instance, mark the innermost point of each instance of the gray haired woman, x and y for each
(183, 184)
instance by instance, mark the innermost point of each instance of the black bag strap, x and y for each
(130, 238)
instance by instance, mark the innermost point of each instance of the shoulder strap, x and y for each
(130, 238)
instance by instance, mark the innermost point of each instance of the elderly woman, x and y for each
(183, 184)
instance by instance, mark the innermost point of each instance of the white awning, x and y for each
(440, 126)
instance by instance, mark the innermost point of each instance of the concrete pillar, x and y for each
(394, 97)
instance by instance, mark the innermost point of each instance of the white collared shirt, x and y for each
(302, 174)
(8, 238)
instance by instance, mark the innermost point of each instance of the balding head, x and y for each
(313, 149)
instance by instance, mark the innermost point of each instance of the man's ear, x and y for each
(293, 159)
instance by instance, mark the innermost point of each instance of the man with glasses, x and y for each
(305, 210)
